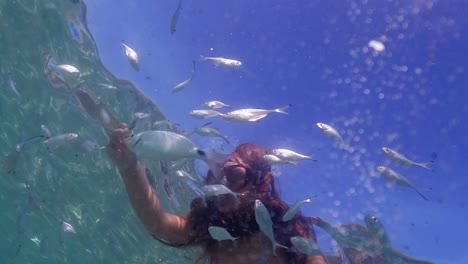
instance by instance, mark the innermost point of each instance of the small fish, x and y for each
(292, 211)
(45, 132)
(165, 125)
(9, 164)
(175, 17)
(218, 61)
(20, 220)
(66, 227)
(216, 189)
(33, 199)
(108, 86)
(220, 234)
(275, 160)
(168, 189)
(183, 84)
(132, 57)
(209, 132)
(214, 104)
(263, 219)
(252, 114)
(151, 179)
(398, 179)
(164, 145)
(141, 115)
(305, 246)
(286, 154)
(18, 249)
(332, 133)
(60, 140)
(377, 230)
(202, 114)
(401, 159)
(66, 68)
(10, 84)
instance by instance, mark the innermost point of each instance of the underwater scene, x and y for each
(210, 131)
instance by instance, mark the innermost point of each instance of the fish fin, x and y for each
(209, 123)
(277, 245)
(292, 162)
(257, 118)
(281, 109)
(202, 58)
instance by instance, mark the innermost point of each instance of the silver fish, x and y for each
(275, 160)
(214, 104)
(220, 234)
(209, 132)
(10, 84)
(251, 114)
(132, 57)
(164, 145)
(263, 219)
(401, 159)
(66, 68)
(216, 189)
(165, 125)
(141, 115)
(332, 133)
(183, 84)
(292, 211)
(108, 86)
(286, 154)
(202, 114)
(66, 227)
(305, 246)
(219, 61)
(398, 179)
(46, 132)
(60, 140)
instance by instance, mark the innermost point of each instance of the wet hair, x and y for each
(258, 184)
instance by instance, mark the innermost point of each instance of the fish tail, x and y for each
(227, 141)
(281, 109)
(420, 194)
(424, 165)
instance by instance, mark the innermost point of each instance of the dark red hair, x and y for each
(259, 184)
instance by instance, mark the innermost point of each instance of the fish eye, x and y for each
(374, 218)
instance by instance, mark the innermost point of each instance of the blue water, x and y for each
(311, 54)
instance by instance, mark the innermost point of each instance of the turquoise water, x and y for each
(72, 183)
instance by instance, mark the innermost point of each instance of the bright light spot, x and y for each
(376, 45)
(211, 49)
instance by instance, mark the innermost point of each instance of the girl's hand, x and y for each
(117, 148)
